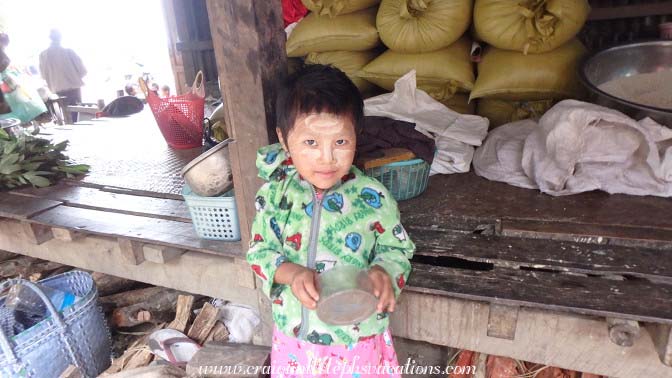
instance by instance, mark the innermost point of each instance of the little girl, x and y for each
(315, 212)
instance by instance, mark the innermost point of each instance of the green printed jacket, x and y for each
(356, 223)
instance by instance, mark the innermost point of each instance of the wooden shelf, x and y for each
(631, 11)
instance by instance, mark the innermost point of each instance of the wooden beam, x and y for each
(198, 273)
(37, 233)
(662, 340)
(131, 251)
(502, 321)
(249, 43)
(161, 254)
(631, 11)
(64, 234)
(194, 45)
(545, 337)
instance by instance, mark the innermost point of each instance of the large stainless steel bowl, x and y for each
(209, 174)
(627, 60)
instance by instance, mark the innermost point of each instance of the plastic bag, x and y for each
(26, 104)
(416, 26)
(455, 134)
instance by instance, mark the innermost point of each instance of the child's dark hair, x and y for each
(317, 88)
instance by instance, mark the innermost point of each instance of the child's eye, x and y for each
(310, 142)
(341, 142)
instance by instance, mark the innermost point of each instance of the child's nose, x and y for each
(327, 154)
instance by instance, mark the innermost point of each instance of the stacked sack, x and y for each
(341, 33)
(533, 58)
(425, 35)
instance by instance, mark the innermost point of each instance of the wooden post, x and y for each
(249, 43)
(661, 334)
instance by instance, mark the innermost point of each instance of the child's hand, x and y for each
(382, 289)
(304, 288)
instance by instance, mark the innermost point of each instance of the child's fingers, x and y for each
(311, 288)
(305, 298)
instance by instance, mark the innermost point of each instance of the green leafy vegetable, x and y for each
(29, 160)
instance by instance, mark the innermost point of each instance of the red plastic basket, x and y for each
(180, 118)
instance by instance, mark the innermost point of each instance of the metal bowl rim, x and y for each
(584, 79)
(204, 155)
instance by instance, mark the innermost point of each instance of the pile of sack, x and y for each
(532, 58)
(530, 63)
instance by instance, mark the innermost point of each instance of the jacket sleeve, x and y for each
(77, 62)
(266, 249)
(393, 249)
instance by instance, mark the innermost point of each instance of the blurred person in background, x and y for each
(63, 71)
(4, 63)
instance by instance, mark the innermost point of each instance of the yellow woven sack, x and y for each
(333, 8)
(460, 103)
(529, 26)
(349, 32)
(510, 75)
(347, 61)
(415, 26)
(440, 73)
(501, 112)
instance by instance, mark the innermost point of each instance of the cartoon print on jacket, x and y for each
(351, 223)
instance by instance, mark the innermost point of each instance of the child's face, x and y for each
(322, 147)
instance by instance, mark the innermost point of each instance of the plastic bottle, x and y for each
(29, 309)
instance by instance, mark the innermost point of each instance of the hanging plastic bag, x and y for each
(26, 104)
(455, 134)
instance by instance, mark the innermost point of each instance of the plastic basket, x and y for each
(180, 118)
(76, 336)
(404, 179)
(214, 218)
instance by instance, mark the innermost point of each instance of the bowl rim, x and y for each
(204, 155)
(586, 82)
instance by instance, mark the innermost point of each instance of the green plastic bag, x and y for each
(347, 61)
(26, 103)
(513, 76)
(333, 8)
(415, 26)
(440, 73)
(501, 112)
(529, 26)
(349, 32)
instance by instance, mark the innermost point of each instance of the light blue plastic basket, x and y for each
(214, 218)
(404, 179)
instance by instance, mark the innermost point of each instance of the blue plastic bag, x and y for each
(26, 103)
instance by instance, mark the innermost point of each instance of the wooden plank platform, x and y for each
(132, 227)
(96, 199)
(465, 201)
(628, 299)
(552, 255)
(18, 208)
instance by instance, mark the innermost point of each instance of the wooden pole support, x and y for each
(131, 251)
(661, 334)
(161, 254)
(37, 233)
(64, 234)
(502, 321)
(623, 332)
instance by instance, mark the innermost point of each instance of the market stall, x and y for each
(581, 282)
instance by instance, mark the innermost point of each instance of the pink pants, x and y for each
(370, 357)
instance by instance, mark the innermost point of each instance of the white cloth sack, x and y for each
(579, 147)
(240, 320)
(455, 134)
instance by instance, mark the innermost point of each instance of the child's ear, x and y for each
(281, 139)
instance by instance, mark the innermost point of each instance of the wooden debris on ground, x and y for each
(215, 354)
(155, 308)
(205, 327)
(503, 367)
